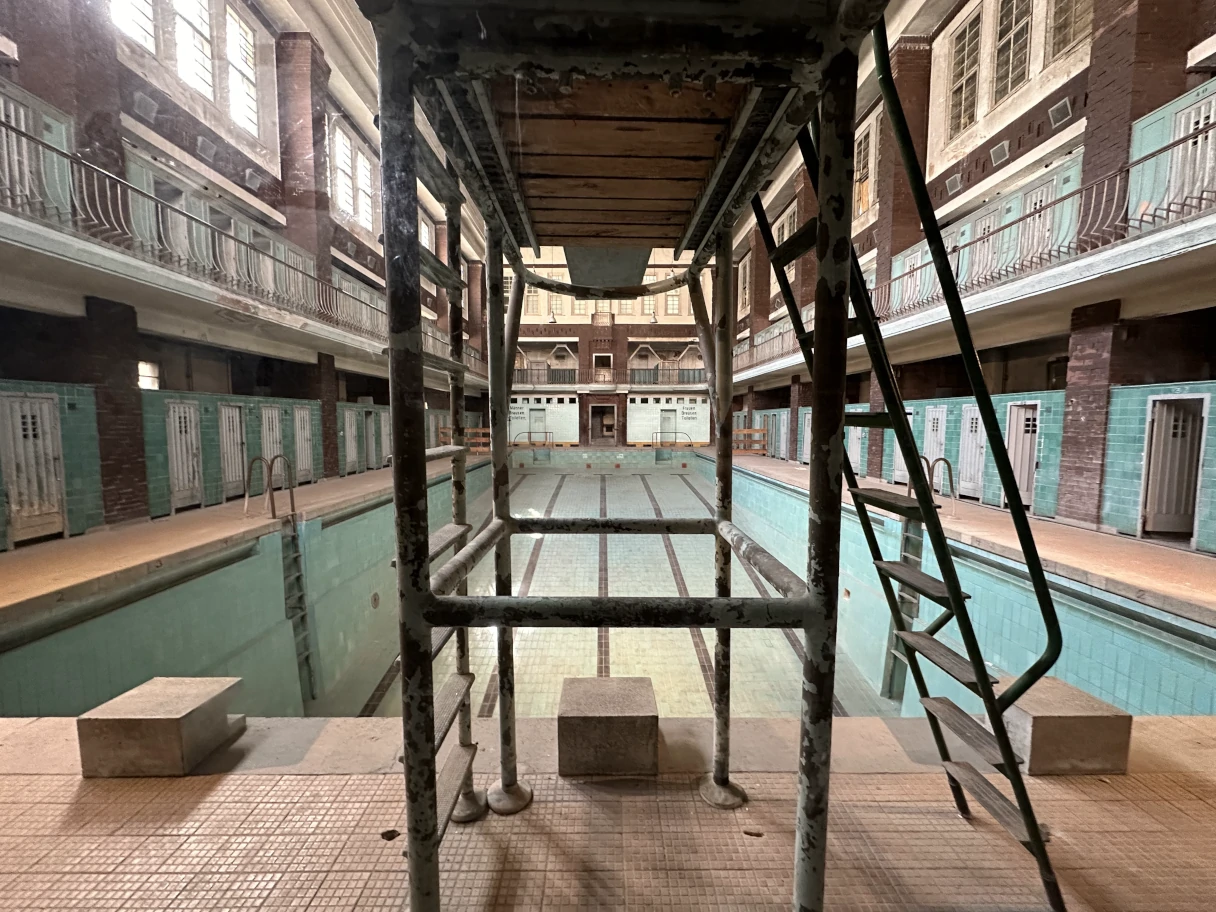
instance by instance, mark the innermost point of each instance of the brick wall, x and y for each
(874, 443)
(324, 386)
(1083, 450)
(475, 322)
(303, 77)
(1137, 63)
(898, 225)
(806, 267)
(932, 379)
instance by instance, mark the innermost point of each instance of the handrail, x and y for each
(65, 192)
(656, 438)
(268, 482)
(1092, 217)
(546, 438)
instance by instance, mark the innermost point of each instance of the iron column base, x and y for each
(724, 797)
(509, 800)
(470, 806)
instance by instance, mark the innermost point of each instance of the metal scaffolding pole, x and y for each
(717, 789)
(405, 379)
(837, 111)
(472, 803)
(508, 795)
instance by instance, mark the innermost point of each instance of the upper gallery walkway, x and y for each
(1171, 579)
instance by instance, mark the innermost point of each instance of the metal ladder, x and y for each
(296, 605)
(992, 744)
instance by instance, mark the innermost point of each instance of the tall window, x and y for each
(149, 375)
(745, 285)
(354, 189)
(242, 74)
(193, 29)
(579, 306)
(626, 306)
(344, 172)
(603, 306)
(426, 233)
(787, 224)
(363, 186)
(135, 19)
(1070, 22)
(555, 303)
(1012, 47)
(673, 303)
(861, 175)
(964, 75)
(507, 281)
(648, 300)
(531, 301)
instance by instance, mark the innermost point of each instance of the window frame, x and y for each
(184, 26)
(671, 303)
(1080, 26)
(145, 38)
(744, 290)
(1024, 25)
(862, 171)
(237, 72)
(958, 121)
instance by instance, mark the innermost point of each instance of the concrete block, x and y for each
(163, 727)
(607, 727)
(1060, 730)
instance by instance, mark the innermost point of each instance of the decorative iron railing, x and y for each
(52, 187)
(1153, 192)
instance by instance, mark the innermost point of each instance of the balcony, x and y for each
(46, 185)
(532, 376)
(666, 376)
(1154, 192)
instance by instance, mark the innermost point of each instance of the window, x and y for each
(964, 75)
(603, 306)
(626, 306)
(134, 19)
(426, 233)
(194, 45)
(363, 198)
(580, 306)
(1012, 47)
(648, 300)
(861, 175)
(531, 301)
(555, 303)
(1070, 22)
(673, 303)
(344, 172)
(787, 224)
(745, 285)
(242, 74)
(507, 281)
(149, 375)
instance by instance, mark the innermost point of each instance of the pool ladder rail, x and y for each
(919, 512)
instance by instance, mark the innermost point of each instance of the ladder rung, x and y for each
(447, 703)
(445, 537)
(898, 504)
(439, 639)
(867, 419)
(957, 666)
(797, 244)
(906, 575)
(974, 735)
(987, 794)
(451, 780)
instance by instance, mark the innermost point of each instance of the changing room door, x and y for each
(854, 444)
(369, 439)
(971, 454)
(783, 436)
(350, 431)
(1023, 439)
(32, 465)
(232, 450)
(804, 448)
(536, 425)
(386, 434)
(272, 440)
(935, 441)
(667, 426)
(899, 472)
(185, 455)
(1173, 466)
(302, 422)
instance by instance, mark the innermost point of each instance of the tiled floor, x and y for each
(766, 665)
(269, 840)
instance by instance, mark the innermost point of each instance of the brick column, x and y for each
(806, 268)
(800, 394)
(876, 437)
(898, 224)
(474, 324)
(110, 362)
(323, 385)
(1086, 406)
(762, 290)
(441, 293)
(303, 78)
(1137, 62)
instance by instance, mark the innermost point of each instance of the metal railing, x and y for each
(563, 376)
(666, 376)
(1150, 193)
(54, 188)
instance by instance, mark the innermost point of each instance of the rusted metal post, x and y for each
(717, 789)
(833, 253)
(472, 803)
(405, 381)
(508, 795)
(515, 312)
(705, 337)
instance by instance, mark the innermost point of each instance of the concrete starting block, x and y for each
(607, 727)
(164, 727)
(1060, 730)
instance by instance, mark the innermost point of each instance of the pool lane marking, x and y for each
(603, 665)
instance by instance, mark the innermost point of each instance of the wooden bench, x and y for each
(163, 727)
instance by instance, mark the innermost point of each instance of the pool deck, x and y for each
(1172, 579)
(299, 814)
(111, 556)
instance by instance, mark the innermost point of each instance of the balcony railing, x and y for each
(49, 186)
(1153, 192)
(540, 376)
(666, 376)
